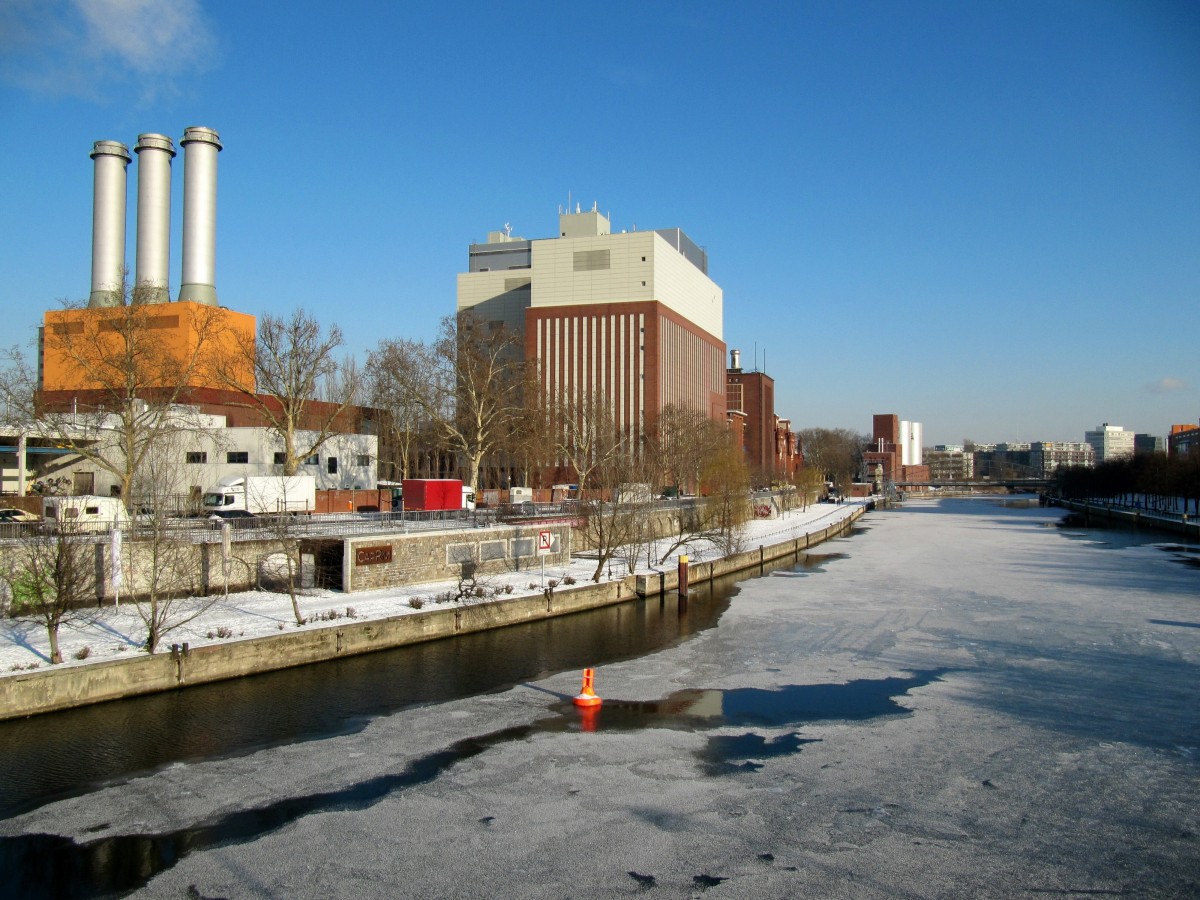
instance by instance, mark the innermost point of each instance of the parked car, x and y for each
(9, 514)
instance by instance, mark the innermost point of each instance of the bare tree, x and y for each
(809, 485)
(836, 453)
(164, 562)
(397, 381)
(588, 442)
(531, 444)
(727, 509)
(18, 388)
(477, 390)
(682, 439)
(49, 577)
(293, 361)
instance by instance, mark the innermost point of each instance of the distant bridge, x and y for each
(1012, 484)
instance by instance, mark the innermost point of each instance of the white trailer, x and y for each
(84, 513)
(263, 494)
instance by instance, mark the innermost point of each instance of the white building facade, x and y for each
(1110, 442)
(632, 317)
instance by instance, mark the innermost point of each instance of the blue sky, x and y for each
(981, 216)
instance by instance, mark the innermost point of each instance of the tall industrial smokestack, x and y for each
(108, 222)
(155, 152)
(200, 146)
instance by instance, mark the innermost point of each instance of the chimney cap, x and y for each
(154, 141)
(110, 148)
(195, 133)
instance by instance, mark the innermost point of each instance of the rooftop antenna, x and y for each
(507, 230)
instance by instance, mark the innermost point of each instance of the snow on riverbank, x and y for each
(113, 632)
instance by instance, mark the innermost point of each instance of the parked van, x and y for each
(84, 513)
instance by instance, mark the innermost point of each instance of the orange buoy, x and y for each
(587, 696)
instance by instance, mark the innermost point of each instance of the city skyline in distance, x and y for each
(984, 218)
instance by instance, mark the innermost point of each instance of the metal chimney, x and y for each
(735, 360)
(155, 152)
(108, 223)
(201, 146)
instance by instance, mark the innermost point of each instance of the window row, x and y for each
(242, 457)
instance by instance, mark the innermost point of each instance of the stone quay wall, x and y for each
(47, 690)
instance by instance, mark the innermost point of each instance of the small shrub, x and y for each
(83, 653)
(508, 589)
(224, 632)
(279, 625)
(416, 602)
(351, 612)
(478, 591)
(531, 586)
(567, 579)
(210, 636)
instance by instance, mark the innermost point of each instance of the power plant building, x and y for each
(632, 318)
(191, 351)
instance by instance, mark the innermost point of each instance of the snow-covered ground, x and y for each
(113, 632)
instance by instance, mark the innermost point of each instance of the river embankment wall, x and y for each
(32, 693)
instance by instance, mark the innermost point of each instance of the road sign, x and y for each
(545, 542)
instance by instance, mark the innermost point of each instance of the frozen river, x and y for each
(967, 701)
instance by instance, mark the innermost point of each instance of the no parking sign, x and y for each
(545, 542)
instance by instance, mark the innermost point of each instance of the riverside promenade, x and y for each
(255, 632)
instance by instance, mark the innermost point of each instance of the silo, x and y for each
(155, 152)
(108, 223)
(905, 442)
(200, 146)
(916, 437)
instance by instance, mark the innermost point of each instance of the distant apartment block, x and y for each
(950, 464)
(1110, 442)
(1046, 457)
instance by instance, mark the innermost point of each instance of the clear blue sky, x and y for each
(981, 216)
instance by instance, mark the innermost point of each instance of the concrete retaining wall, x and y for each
(668, 579)
(388, 560)
(31, 693)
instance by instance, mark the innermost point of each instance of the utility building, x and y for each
(631, 318)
